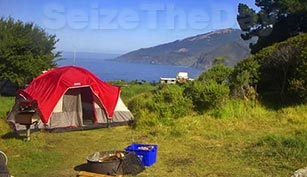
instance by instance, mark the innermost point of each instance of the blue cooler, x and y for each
(146, 152)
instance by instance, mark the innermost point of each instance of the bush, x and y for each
(195, 90)
(218, 73)
(211, 89)
(215, 94)
(298, 84)
(207, 95)
(245, 78)
(160, 107)
(170, 102)
(283, 69)
(138, 103)
(140, 107)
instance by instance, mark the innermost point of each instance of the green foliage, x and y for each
(207, 95)
(171, 102)
(295, 6)
(283, 69)
(215, 94)
(245, 77)
(261, 141)
(276, 21)
(140, 106)
(160, 107)
(232, 108)
(211, 89)
(250, 66)
(286, 147)
(195, 90)
(218, 73)
(128, 90)
(298, 84)
(247, 17)
(219, 60)
(25, 51)
(5, 105)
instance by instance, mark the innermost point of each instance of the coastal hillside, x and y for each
(197, 51)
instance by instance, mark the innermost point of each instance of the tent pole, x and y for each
(109, 121)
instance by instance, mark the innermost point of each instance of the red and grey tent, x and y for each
(73, 97)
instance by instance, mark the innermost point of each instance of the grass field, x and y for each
(249, 141)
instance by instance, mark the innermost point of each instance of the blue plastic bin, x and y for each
(146, 152)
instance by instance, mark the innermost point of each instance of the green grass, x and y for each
(5, 105)
(246, 140)
(130, 90)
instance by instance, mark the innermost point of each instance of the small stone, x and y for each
(300, 173)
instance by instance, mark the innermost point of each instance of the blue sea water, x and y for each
(109, 70)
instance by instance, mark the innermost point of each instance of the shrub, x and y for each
(245, 78)
(218, 73)
(140, 107)
(207, 95)
(160, 107)
(283, 70)
(298, 84)
(211, 89)
(139, 102)
(170, 102)
(215, 94)
(195, 90)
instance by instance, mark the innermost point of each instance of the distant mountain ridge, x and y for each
(197, 51)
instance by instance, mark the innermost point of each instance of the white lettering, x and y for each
(55, 16)
(128, 19)
(152, 11)
(77, 19)
(198, 19)
(222, 16)
(94, 17)
(108, 19)
(175, 18)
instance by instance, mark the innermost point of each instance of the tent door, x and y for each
(88, 110)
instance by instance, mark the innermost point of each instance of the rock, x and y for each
(300, 173)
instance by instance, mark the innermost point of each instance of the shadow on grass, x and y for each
(13, 135)
(82, 167)
(20, 134)
(273, 101)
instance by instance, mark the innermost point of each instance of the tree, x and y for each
(25, 51)
(276, 21)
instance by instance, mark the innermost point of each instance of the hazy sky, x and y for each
(118, 26)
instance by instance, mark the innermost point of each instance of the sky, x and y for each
(120, 26)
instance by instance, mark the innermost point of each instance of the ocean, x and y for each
(109, 70)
